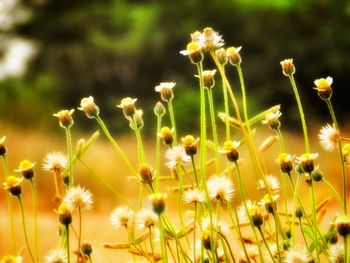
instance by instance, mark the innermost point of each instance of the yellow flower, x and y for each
(65, 118)
(288, 68)
(88, 106)
(26, 168)
(128, 106)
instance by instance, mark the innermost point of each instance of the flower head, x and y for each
(233, 55)
(210, 39)
(307, 161)
(159, 109)
(272, 119)
(26, 169)
(194, 52)
(3, 149)
(88, 106)
(272, 184)
(230, 150)
(343, 225)
(147, 174)
(146, 219)
(55, 162)
(56, 256)
(64, 212)
(294, 255)
(13, 184)
(78, 197)
(286, 162)
(208, 78)
(158, 202)
(254, 211)
(190, 144)
(220, 188)
(346, 153)
(193, 196)
(288, 67)
(128, 106)
(121, 216)
(323, 86)
(269, 202)
(166, 135)
(166, 90)
(176, 156)
(65, 118)
(329, 137)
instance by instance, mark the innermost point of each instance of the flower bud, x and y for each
(299, 212)
(13, 184)
(323, 87)
(285, 162)
(3, 149)
(64, 214)
(205, 238)
(86, 248)
(343, 225)
(128, 106)
(233, 55)
(88, 106)
(317, 175)
(166, 136)
(208, 78)
(158, 202)
(230, 150)
(307, 162)
(194, 53)
(166, 90)
(138, 120)
(288, 68)
(65, 118)
(190, 144)
(26, 168)
(222, 56)
(146, 174)
(159, 109)
(272, 120)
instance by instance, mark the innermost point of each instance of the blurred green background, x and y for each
(54, 52)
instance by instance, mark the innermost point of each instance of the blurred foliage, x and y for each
(115, 48)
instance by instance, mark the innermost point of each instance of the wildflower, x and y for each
(233, 55)
(269, 203)
(210, 39)
(11, 259)
(336, 253)
(346, 153)
(56, 256)
(166, 135)
(64, 212)
(194, 52)
(343, 225)
(128, 106)
(323, 86)
(272, 120)
(146, 174)
(220, 188)
(288, 68)
(317, 175)
(294, 255)
(78, 197)
(221, 56)
(194, 196)
(13, 184)
(176, 156)
(158, 202)
(88, 106)
(307, 161)
(55, 162)
(286, 162)
(206, 239)
(26, 168)
(329, 137)
(121, 216)
(65, 118)
(137, 120)
(299, 212)
(3, 149)
(166, 90)
(145, 219)
(159, 109)
(230, 150)
(208, 78)
(254, 211)
(272, 184)
(190, 144)
(86, 248)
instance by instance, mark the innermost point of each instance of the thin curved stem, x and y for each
(162, 239)
(314, 219)
(266, 245)
(25, 228)
(35, 213)
(70, 156)
(303, 234)
(172, 119)
(67, 243)
(214, 130)
(159, 125)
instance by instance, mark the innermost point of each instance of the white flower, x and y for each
(323, 84)
(78, 197)
(194, 196)
(56, 256)
(55, 162)
(294, 255)
(329, 137)
(146, 219)
(336, 253)
(165, 86)
(272, 183)
(220, 188)
(121, 216)
(176, 156)
(210, 39)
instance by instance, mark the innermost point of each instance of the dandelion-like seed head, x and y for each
(208, 78)
(166, 135)
(288, 67)
(210, 39)
(88, 106)
(323, 87)
(166, 90)
(190, 144)
(336, 253)
(55, 162)
(272, 120)
(233, 55)
(56, 256)
(145, 219)
(194, 196)
(128, 106)
(220, 188)
(3, 148)
(26, 169)
(230, 150)
(78, 197)
(296, 255)
(329, 137)
(286, 162)
(121, 217)
(176, 156)
(307, 161)
(13, 184)
(272, 183)
(342, 224)
(65, 118)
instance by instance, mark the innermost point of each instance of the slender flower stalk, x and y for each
(35, 221)
(267, 246)
(159, 111)
(67, 243)
(25, 228)
(172, 118)
(70, 156)
(314, 218)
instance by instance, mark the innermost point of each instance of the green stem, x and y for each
(35, 213)
(295, 195)
(214, 130)
(301, 113)
(335, 193)
(277, 242)
(267, 246)
(9, 209)
(346, 248)
(70, 156)
(194, 170)
(314, 219)
(172, 119)
(227, 110)
(79, 235)
(303, 234)
(159, 125)
(151, 243)
(115, 144)
(344, 179)
(244, 96)
(194, 232)
(90, 259)
(162, 239)
(67, 242)
(140, 149)
(25, 228)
